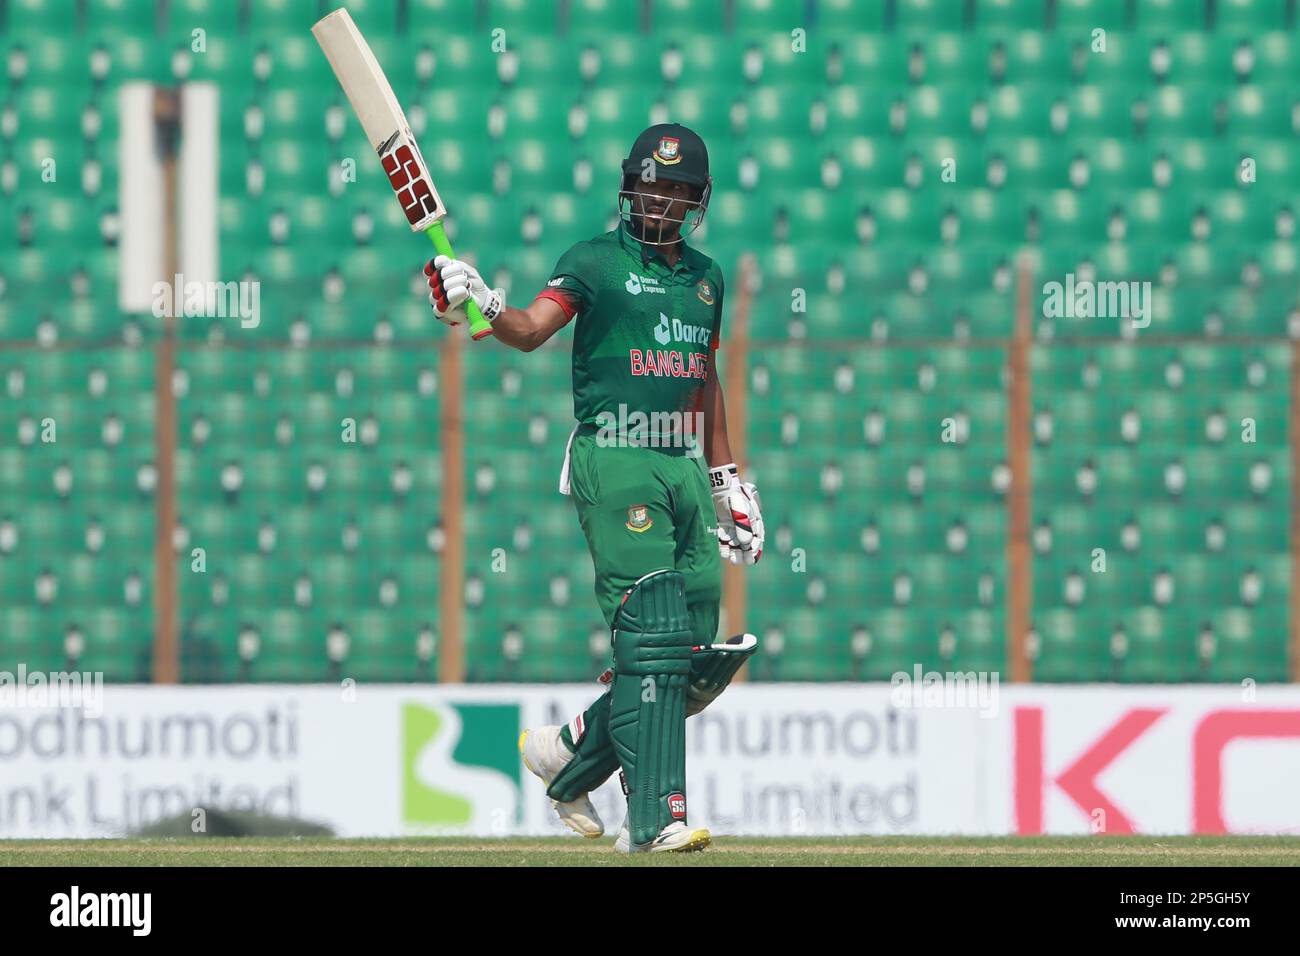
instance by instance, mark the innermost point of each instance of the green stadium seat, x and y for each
(136, 17)
(522, 16)
(280, 17)
(931, 15)
(998, 15)
(213, 16)
(678, 16)
(840, 17)
(605, 17)
(41, 18)
(1170, 16)
(1274, 55)
(1253, 16)
(1077, 15)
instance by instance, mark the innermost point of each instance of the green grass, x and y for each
(726, 851)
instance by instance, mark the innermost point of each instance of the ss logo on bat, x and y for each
(408, 181)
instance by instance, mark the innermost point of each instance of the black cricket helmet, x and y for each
(671, 152)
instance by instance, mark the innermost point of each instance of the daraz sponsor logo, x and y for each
(675, 329)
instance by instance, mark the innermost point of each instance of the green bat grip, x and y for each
(478, 326)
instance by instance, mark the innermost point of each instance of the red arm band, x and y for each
(560, 299)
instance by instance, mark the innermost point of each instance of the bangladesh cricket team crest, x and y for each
(638, 519)
(705, 292)
(669, 151)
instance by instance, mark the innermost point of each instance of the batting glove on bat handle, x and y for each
(452, 283)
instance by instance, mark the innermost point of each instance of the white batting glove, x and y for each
(451, 283)
(740, 522)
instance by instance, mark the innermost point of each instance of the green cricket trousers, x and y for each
(642, 509)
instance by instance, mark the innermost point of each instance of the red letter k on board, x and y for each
(1077, 781)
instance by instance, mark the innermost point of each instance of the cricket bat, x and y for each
(381, 116)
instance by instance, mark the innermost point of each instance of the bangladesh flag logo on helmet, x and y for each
(669, 150)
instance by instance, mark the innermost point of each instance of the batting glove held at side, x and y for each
(740, 523)
(451, 283)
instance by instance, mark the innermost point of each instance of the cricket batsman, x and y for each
(648, 404)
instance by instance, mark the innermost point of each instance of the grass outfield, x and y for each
(727, 851)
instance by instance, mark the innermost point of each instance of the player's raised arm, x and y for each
(452, 282)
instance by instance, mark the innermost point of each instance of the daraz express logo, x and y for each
(636, 284)
(460, 767)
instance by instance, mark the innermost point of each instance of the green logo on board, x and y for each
(461, 767)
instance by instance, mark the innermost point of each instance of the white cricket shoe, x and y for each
(545, 755)
(674, 838)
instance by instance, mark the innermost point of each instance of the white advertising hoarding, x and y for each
(1086, 759)
(764, 759)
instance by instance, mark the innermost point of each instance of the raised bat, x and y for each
(381, 116)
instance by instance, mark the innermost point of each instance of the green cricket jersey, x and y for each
(645, 332)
